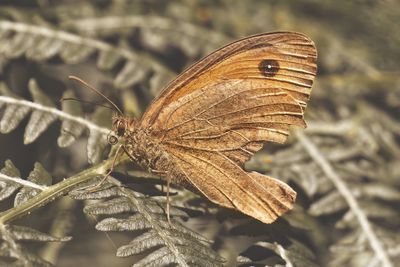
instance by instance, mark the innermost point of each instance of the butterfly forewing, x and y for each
(248, 58)
(215, 115)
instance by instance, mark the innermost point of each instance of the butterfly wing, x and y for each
(214, 116)
(292, 57)
(222, 181)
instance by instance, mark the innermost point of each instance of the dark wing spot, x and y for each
(268, 67)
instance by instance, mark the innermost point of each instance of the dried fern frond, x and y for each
(353, 123)
(157, 33)
(164, 244)
(10, 182)
(41, 43)
(293, 254)
(44, 113)
(11, 248)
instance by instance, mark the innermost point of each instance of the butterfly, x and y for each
(204, 125)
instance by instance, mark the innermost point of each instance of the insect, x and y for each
(212, 118)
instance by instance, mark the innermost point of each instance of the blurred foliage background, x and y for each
(345, 166)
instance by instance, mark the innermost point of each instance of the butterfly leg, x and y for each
(168, 178)
(168, 200)
(129, 155)
(156, 172)
(94, 188)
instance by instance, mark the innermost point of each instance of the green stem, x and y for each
(57, 190)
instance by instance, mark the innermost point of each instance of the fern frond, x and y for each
(12, 235)
(293, 254)
(365, 196)
(157, 33)
(38, 180)
(10, 181)
(41, 43)
(164, 244)
(39, 121)
(351, 201)
(70, 130)
(15, 253)
(38, 176)
(44, 113)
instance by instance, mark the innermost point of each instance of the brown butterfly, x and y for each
(210, 120)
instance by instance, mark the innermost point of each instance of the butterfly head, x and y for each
(119, 128)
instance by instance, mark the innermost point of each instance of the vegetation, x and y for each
(344, 166)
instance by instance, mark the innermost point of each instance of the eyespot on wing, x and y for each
(268, 67)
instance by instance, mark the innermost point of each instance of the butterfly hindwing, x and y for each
(225, 183)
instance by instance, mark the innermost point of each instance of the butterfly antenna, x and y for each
(86, 102)
(96, 91)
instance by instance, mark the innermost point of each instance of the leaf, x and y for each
(45, 48)
(38, 176)
(70, 130)
(157, 32)
(11, 247)
(44, 113)
(173, 242)
(108, 59)
(381, 191)
(8, 187)
(42, 43)
(104, 191)
(330, 203)
(113, 206)
(143, 242)
(39, 121)
(27, 233)
(75, 53)
(19, 44)
(97, 142)
(294, 254)
(130, 74)
(13, 114)
(135, 222)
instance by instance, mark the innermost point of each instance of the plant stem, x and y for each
(341, 186)
(57, 190)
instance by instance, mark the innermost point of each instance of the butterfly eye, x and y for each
(112, 140)
(268, 67)
(120, 130)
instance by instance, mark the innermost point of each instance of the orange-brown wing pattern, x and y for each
(225, 183)
(283, 60)
(214, 116)
(233, 118)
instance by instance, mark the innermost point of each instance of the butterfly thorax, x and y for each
(143, 148)
(146, 151)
